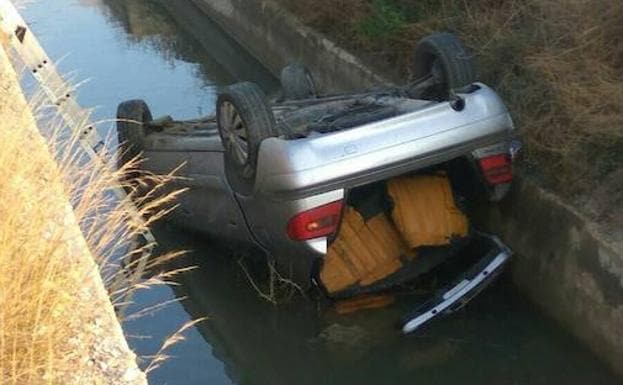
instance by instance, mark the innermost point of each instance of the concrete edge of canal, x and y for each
(565, 262)
(102, 354)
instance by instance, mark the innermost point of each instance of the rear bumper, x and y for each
(382, 149)
(463, 288)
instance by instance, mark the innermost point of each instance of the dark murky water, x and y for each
(176, 59)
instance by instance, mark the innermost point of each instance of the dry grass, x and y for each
(557, 64)
(161, 356)
(50, 309)
(269, 284)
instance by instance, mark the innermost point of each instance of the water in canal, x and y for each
(176, 59)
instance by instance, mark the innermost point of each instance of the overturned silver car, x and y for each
(353, 194)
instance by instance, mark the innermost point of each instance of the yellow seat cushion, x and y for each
(363, 303)
(424, 210)
(363, 252)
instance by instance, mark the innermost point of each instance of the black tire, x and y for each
(132, 115)
(297, 83)
(244, 120)
(445, 57)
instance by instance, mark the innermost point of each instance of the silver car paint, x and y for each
(296, 175)
(382, 149)
(459, 292)
(209, 205)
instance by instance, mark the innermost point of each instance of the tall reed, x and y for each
(63, 233)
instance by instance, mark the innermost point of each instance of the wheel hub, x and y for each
(235, 134)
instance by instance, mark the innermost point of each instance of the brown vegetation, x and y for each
(556, 63)
(56, 322)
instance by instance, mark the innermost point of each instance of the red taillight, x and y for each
(497, 169)
(315, 223)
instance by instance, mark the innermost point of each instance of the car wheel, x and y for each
(443, 57)
(131, 118)
(297, 82)
(244, 120)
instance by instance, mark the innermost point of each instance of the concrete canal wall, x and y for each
(89, 345)
(276, 38)
(565, 263)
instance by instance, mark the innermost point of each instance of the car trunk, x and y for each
(395, 230)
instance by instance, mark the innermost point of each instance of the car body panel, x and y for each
(209, 205)
(465, 287)
(382, 149)
(295, 175)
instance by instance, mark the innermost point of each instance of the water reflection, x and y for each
(178, 31)
(499, 339)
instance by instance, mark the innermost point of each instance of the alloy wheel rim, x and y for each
(234, 132)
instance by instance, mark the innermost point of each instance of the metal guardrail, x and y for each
(62, 95)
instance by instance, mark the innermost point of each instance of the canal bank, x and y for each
(57, 322)
(569, 265)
